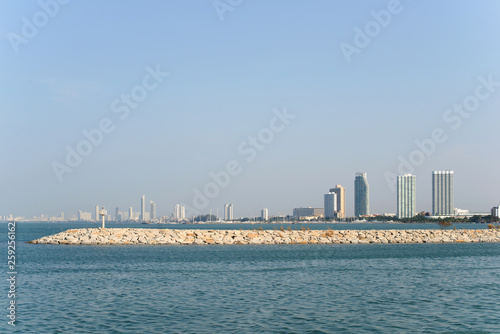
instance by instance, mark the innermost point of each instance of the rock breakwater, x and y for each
(127, 236)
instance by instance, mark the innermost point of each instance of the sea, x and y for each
(358, 288)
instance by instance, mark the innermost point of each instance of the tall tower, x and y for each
(183, 212)
(330, 205)
(177, 212)
(361, 195)
(406, 186)
(340, 191)
(152, 215)
(143, 207)
(117, 214)
(228, 212)
(265, 214)
(130, 213)
(442, 193)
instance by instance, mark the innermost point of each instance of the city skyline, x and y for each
(442, 205)
(207, 111)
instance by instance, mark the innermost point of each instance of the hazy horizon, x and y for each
(289, 99)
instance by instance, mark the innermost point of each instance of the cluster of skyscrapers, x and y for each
(335, 199)
(142, 215)
(442, 197)
(335, 202)
(442, 194)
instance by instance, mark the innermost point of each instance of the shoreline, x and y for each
(142, 236)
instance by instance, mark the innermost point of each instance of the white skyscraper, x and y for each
(406, 189)
(495, 211)
(442, 193)
(228, 212)
(97, 218)
(265, 214)
(179, 212)
(130, 213)
(330, 205)
(143, 207)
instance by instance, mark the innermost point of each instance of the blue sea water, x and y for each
(391, 288)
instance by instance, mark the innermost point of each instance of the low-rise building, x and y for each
(308, 213)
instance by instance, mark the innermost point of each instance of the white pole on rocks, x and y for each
(103, 213)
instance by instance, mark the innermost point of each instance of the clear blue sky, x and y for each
(225, 79)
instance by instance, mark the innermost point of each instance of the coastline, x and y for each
(142, 236)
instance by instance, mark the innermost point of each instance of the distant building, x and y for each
(495, 211)
(84, 216)
(459, 212)
(442, 193)
(228, 212)
(143, 208)
(340, 192)
(361, 195)
(179, 212)
(331, 205)
(97, 218)
(117, 214)
(265, 214)
(406, 191)
(308, 213)
(152, 214)
(130, 213)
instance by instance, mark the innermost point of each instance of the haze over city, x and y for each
(288, 98)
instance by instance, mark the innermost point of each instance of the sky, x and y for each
(263, 104)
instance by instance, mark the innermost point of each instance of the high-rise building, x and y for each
(228, 212)
(97, 218)
(152, 214)
(340, 191)
(130, 213)
(117, 214)
(442, 193)
(330, 205)
(265, 214)
(361, 195)
(406, 189)
(495, 211)
(179, 212)
(143, 207)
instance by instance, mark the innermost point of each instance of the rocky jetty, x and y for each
(127, 236)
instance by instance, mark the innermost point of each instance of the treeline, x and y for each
(474, 219)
